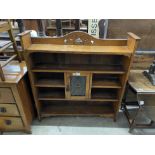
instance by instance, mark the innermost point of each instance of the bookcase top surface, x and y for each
(83, 49)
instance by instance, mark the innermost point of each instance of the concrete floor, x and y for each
(84, 126)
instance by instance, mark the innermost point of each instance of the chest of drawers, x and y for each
(16, 110)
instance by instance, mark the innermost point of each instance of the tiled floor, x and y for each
(83, 126)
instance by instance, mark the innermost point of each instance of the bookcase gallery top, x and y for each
(79, 42)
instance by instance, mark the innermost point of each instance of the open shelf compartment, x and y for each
(58, 62)
(76, 108)
(106, 81)
(51, 93)
(106, 94)
(52, 79)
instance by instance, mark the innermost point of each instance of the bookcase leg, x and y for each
(39, 118)
(28, 131)
(115, 118)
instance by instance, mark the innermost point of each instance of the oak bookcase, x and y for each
(78, 74)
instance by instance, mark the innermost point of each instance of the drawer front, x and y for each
(10, 123)
(6, 95)
(8, 110)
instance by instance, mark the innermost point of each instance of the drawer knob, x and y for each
(2, 109)
(8, 122)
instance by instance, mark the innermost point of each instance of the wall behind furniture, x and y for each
(145, 28)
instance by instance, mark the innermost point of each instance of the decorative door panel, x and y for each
(77, 85)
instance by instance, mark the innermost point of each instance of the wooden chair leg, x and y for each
(10, 32)
(2, 74)
(133, 122)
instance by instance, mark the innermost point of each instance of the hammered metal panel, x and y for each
(78, 85)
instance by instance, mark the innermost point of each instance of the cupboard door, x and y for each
(77, 85)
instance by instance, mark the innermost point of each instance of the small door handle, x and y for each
(2, 109)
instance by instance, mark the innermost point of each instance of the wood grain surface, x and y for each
(145, 28)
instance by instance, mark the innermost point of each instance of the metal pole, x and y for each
(59, 27)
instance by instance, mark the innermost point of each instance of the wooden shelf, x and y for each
(47, 98)
(58, 94)
(72, 109)
(92, 68)
(105, 84)
(50, 83)
(80, 49)
(47, 94)
(51, 96)
(103, 94)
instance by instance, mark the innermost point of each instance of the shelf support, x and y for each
(25, 39)
(132, 41)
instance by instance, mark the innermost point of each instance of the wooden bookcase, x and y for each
(78, 74)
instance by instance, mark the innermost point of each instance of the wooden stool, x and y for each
(140, 86)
